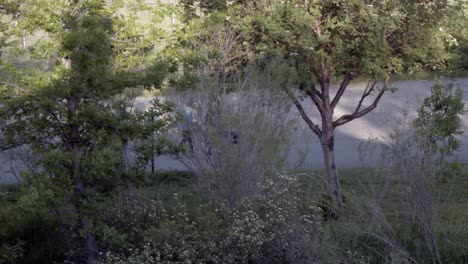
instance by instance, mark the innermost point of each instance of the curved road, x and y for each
(348, 137)
(376, 124)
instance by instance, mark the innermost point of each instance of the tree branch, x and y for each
(317, 99)
(347, 79)
(358, 112)
(304, 116)
(5, 147)
(312, 90)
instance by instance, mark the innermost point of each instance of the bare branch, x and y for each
(304, 115)
(5, 147)
(369, 89)
(358, 112)
(312, 90)
(317, 99)
(319, 94)
(347, 79)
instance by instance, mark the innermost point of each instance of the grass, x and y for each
(360, 186)
(451, 196)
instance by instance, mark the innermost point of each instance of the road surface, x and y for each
(376, 124)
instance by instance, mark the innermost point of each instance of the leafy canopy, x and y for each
(340, 37)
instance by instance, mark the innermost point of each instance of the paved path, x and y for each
(376, 124)
(348, 137)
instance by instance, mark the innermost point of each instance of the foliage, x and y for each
(235, 138)
(38, 99)
(456, 24)
(439, 122)
(367, 38)
(74, 118)
(71, 117)
(405, 218)
(8, 11)
(29, 229)
(159, 117)
(176, 177)
(274, 228)
(158, 215)
(332, 40)
(193, 8)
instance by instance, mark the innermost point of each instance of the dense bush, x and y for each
(383, 222)
(274, 228)
(439, 124)
(29, 231)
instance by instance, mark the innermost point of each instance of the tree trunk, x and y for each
(333, 186)
(327, 140)
(88, 243)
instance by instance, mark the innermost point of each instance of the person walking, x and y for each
(187, 129)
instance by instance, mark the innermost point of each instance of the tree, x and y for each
(157, 118)
(5, 10)
(457, 25)
(438, 123)
(338, 41)
(70, 116)
(8, 11)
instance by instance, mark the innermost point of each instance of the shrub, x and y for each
(401, 222)
(273, 228)
(241, 124)
(439, 123)
(29, 230)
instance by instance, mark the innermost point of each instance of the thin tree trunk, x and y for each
(327, 141)
(333, 185)
(153, 143)
(88, 243)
